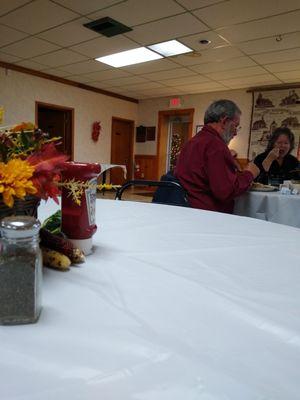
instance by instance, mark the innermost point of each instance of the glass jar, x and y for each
(20, 270)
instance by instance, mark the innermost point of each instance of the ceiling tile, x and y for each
(185, 80)
(60, 57)
(192, 41)
(85, 67)
(193, 4)
(80, 78)
(121, 12)
(283, 66)
(151, 66)
(31, 65)
(173, 73)
(167, 28)
(9, 35)
(144, 86)
(123, 92)
(56, 72)
(290, 40)
(245, 85)
(69, 34)
(250, 80)
(277, 56)
(129, 80)
(289, 76)
(103, 46)
(202, 87)
(237, 73)
(37, 16)
(161, 92)
(215, 55)
(85, 7)
(10, 5)
(29, 47)
(239, 62)
(8, 58)
(271, 26)
(232, 12)
(108, 74)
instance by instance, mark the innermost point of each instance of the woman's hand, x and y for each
(273, 155)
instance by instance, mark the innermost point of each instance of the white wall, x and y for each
(19, 91)
(148, 116)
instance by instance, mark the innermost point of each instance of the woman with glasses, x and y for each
(277, 164)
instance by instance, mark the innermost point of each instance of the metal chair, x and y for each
(169, 191)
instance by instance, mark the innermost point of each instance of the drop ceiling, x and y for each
(252, 43)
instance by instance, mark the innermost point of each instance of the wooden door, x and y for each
(57, 121)
(122, 133)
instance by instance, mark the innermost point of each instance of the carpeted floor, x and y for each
(145, 194)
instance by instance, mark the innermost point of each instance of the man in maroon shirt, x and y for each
(206, 168)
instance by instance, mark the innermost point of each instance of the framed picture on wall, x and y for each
(140, 134)
(198, 128)
(150, 133)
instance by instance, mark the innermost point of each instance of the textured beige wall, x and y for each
(18, 93)
(148, 116)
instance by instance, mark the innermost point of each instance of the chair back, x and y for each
(169, 191)
(173, 194)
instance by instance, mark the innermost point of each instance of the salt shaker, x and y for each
(20, 270)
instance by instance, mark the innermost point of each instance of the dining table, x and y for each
(174, 303)
(273, 206)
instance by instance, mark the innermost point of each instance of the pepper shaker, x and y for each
(20, 270)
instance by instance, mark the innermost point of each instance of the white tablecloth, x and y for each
(174, 304)
(270, 206)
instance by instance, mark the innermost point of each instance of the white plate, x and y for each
(263, 189)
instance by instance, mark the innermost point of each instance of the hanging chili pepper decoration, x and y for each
(96, 130)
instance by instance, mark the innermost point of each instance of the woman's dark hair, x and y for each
(281, 131)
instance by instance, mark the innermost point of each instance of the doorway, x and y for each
(58, 122)
(122, 133)
(175, 127)
(177, 137)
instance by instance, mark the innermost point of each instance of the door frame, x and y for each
(58, 108)
(132, 123)
(162, 134)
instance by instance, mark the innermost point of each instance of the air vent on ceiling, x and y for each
(107, 27)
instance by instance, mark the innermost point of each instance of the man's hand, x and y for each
(253, 169)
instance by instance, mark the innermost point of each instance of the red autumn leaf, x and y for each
(47, 159)
(47, 163)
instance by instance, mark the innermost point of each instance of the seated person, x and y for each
(276, 163)
(206, 168)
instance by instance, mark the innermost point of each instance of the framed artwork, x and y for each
(198, 128)
(140, 134)
(150, 135)
(272, 109)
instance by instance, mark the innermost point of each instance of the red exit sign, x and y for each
(175, 102)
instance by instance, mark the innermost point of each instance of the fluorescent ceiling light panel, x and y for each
(130, 57)
(170, 48)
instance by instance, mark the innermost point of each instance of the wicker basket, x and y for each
(28, 206)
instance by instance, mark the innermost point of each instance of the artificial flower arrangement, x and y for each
(30, 164)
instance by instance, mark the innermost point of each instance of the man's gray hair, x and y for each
(220, 109)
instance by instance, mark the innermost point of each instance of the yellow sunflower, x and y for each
(15, 180)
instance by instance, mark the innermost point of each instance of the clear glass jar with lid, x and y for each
(20, 270)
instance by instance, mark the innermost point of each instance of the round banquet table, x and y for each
(174, 304)
(270, 206)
